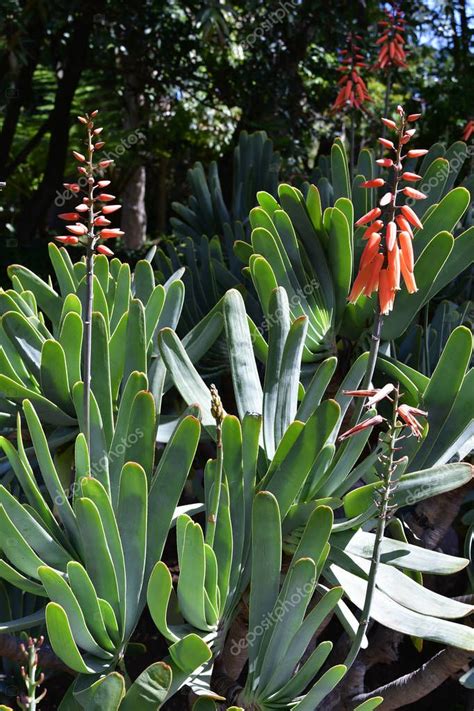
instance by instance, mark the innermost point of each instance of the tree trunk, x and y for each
(134, 220)
(21, 91)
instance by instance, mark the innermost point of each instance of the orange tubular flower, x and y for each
(384, 261)
(391, 42)
(90, 213)
(353, 90)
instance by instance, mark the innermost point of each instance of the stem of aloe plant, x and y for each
(384, 509)
(29, 676)
(87, 354)
(218, 414)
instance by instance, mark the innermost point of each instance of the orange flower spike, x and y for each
(374, 227)
(411, 216)
(411, 177)
(373, 278)
(414, 194)
(404, 225)
(393, 268)
(369, 216)
(359, 283)
(375, 183)
(408, 276)
(406, 247)
(385, 292)
(370, 250)
(391, 235)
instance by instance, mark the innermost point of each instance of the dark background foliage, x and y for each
(177, 81)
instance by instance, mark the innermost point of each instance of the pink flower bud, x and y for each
(417, 153)
(415, 194)
(105, 197)
(391, 235)
(78, 156)
(108, 209)
(411, 177)
(375, 183)
(413, 117)
(99, 145)
(81, 207)
(385, 162)
(101, 221)
(411, 216)
(105, 163)
(67, 239)
(77, 229)
(82, 119)
(96, 131)
(73, 187)
(103, 183)
(389, 123)
(68, 216)
(111, 234)
(369, 216)
(94, 113)
(385, 199)
(102, 249)
(386, 143)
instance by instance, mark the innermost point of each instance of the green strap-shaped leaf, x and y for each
(160, 586)
(265, 571)
(48, 470)
(98, 446)
(70, 339)
(132, 518)
(340, 171)
(122, 296)
(48, 300)
(84, 591)
(149, 690)
(247, 386)
(445, 216)
(34, 533)
(59, 592)
(12, 576)
(278, 328)
(322, 688)
(54, 377)
(141, 434)
(192, 566)
(444, 385)
(185, 376)
(168, 483)
(64, 273)
(101, 377)
(427, 267)
(288, 381)
(339, 250)
(26, 339)
(390, 614)
(23, 623)
(136, 345)
(99, 563)
(62, 640)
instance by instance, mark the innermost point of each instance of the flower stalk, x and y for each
(29, 701)
(88, 217)
(390, 466)
(217, 411)
(385, 260)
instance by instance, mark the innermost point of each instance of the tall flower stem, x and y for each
(384, 510)
(30, 701)
(389, 216)
(215, 493)
(87, 354)
(388, 89)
